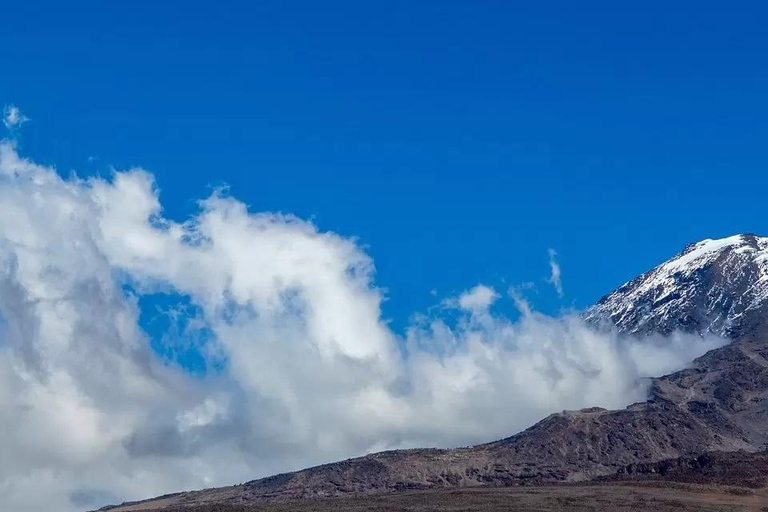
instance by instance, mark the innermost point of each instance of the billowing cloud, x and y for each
(307, 371)
(554, 269)
(12, 117)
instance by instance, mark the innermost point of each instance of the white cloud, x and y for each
(478, 298)
(12, 117)
(90, 414)
(554, 277)
(521, 303)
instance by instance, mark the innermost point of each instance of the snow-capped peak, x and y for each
(711, 285)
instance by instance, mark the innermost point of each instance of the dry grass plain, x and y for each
(651, 496)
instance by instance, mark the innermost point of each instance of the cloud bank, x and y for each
(307, 370)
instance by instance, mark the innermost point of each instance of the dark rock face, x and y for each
(740, 468)
(720, 404)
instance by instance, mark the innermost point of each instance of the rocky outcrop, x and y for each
(742, 469)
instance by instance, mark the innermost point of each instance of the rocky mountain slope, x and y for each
(719, 286)
(719, 404)
(742, 469)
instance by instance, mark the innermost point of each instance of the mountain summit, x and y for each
(718, 286)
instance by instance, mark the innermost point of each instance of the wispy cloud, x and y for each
(555, 278)
(12, 117)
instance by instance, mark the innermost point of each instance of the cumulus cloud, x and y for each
(309, 371)
(554, 268)
(478, 298)
(12, 117)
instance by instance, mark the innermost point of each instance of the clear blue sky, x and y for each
(457, 140)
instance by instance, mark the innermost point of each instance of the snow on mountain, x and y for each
(718, 286)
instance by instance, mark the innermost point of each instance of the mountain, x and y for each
(719, 404)
(718, 286)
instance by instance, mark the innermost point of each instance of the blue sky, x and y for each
(458, 141)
